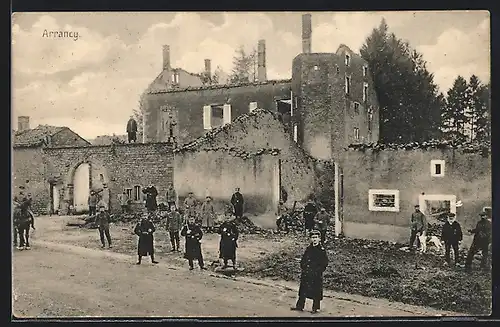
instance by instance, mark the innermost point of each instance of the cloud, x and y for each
(459, 53)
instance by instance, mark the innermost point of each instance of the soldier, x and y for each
(132, 130)
(282, 220)
(418, 224)
(24, 223)
(313, 264)
(310, 211)
(237, 202)
(190, 205)
(123, 200)
(171, 195)
(105, 197)
(92, 202)
(193, 234)
(451, 236)
(145, 246)
(228, 241)
(174, 223)
(102, 221)
(481, 241)
(208, 214)
(151, 193)
(321, 221)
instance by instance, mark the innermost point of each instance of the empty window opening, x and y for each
(216, 115)
(337, 69)
(129, 193)
(137, 193)
(383, 200)
(365, 71)
(356, 134)
(347, 84)
(284, 106)
(370, 118)
(175, 78)
(437, 168)
(356, 108)
(347, 60)
(365, 91)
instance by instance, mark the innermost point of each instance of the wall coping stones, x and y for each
(467, 147)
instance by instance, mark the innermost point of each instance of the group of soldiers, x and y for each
(452, 235)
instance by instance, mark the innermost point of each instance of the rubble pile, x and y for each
(246, 226)
(470, 147)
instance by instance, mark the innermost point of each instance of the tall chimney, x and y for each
(166, 57)
(306, 33)
(208, 68)
(23, 123)
(261, 61)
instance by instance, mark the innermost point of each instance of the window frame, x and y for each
(129, 194)
(440, 162)
(137, 193)
(371, 200)
(356, 133)
(347, 84)
(347, 60)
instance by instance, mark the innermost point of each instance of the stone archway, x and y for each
(81, 187)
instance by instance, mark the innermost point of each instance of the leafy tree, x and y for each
(409, 101)
(243, 67)
(454, 116)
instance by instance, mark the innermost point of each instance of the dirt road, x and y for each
(54, 280)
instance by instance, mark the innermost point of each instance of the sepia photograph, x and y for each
(251, 164)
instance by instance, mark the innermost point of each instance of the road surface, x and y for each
(55, 280)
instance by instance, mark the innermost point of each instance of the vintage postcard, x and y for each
(251, 164)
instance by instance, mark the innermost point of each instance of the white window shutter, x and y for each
(207, 117)
(227, 114)
(252, 106)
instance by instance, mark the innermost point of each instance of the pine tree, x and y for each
(482, 128)
(243, 67)
(474, 104)
(454, 116)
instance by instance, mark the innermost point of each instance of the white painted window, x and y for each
(434, 206)
(207, 117)
(175, 78)
(295, 132)
(365, 71)
(356, 108)
(347, 84)
(437, 168)
(347, 60)
(356, 134)
(252, 106)
(365, 91)
(226, 114)
(383, 200)
(137, 193)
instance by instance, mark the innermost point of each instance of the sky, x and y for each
(92, 84)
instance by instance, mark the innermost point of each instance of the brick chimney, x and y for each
(166, 57)
(261, 61)
(23, 123)
(208, 68)
(306, 33)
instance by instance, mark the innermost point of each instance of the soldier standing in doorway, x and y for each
(132, 130)
(237, 202)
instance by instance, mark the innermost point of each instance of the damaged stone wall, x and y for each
(217, 172)
(121, 166)
(467, 175)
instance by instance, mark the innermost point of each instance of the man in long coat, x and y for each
(313, 264)
(451, 235)
(481, 241)
(228, 241)
(145, 229)
(132, 130)
(310, 211)
(208, 214)
(193, 234)
(237, 202)
(151, 193)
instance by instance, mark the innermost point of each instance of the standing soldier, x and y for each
(310, 211)
(123, 200)
(190, 205)
(193, 234)
(208, 214)
(313, 264)
(132, 130)
(322, 220)
(228, 241)
(418, 226)
(151, 193)
(92, 201)
(481, 242)
(174, 223)
(282, 218)
(24, 224)
(102, 221)
(451, 236)
(237, 202)
(145, 246)
(171, 196)
(105, 197)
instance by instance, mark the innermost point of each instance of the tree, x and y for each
(454, 116)
(214, 79)
(410, 104)
(474, 104)
(482, 128)
(243, 67)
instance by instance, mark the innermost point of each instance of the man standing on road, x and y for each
(208, 214)
(313, 264)
(418, 226)
(193, 234)
(310, 211)
(451, 236)
(102, 221)
(481, 242)
(321, 221)
(174, 224)
(228, 241)
(237, 202)
(145, 246)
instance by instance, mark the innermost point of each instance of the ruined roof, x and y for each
(35, 136)
(219, 86)
(233, 151)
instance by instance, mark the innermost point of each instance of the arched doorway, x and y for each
(81, 187)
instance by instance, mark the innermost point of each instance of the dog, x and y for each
(434, 240)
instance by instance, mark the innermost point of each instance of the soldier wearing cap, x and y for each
(418, 225)
(92, 202)
(313, 264)
(145, 246)
(321, 221)
(451, 236)
(102, 221)
(481, 241)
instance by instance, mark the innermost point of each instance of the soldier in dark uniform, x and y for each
(310, 210)
(313, 264)
(321, 222)
(102, 221)
(145, 229)
(174, 224)
(481, 241)
(193, 234)
(132, 130)
(24, 219)
(237, 202)
(151, 193)
(451, 236)
(228, 241)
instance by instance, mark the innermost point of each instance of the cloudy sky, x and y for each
(92, 84)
